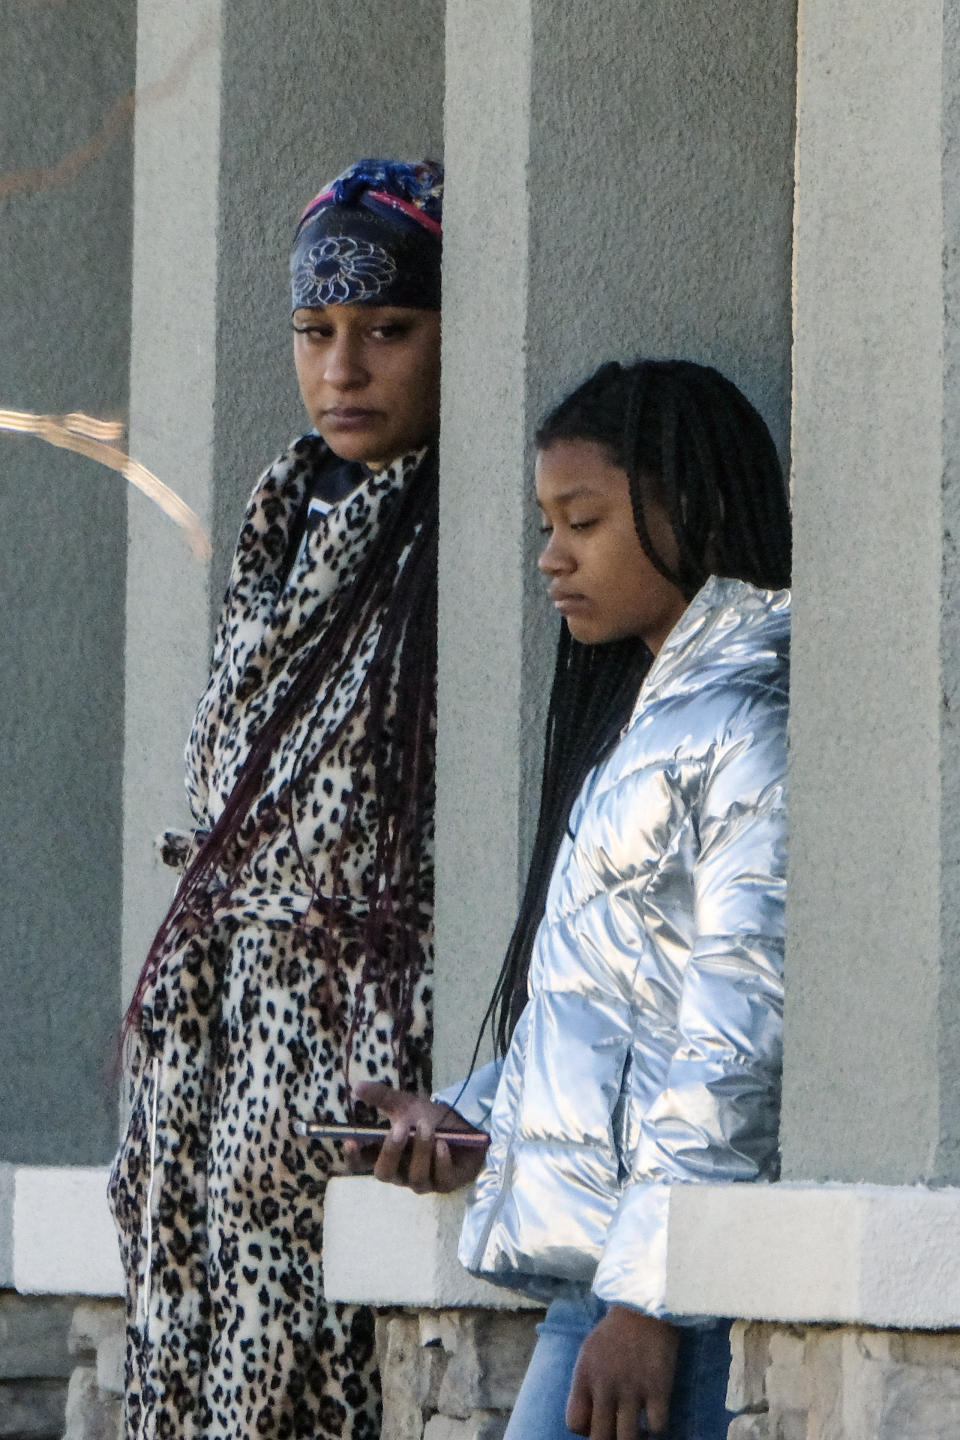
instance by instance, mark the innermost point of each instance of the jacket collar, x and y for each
(729, 625)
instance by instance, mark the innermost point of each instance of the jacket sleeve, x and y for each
(473, 1097)
(716, 1116)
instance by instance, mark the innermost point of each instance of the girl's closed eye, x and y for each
(547, 529)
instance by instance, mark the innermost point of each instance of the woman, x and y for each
(298, 950)
(640, 1000)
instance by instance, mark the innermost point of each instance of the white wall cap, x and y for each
(383, 1245)
(64, 1241)
(870, 1254)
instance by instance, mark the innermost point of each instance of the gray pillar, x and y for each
(486, 756)
(620, 183)
(66, 75)
(172, 397)
(262, 104)
(871, 1080)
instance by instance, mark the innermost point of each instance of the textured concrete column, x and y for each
(247, 110)
(485, 761)
(873, 1010)
(620, 182)
(172, 391)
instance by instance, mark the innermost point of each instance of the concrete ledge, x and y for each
(868, 1254)
(875, 1255)
(386, 1246)
(63, 1240)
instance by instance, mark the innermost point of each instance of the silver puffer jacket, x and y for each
(649, 1052)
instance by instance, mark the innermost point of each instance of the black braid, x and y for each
(689, 440)
(395, 587)
(605, 679)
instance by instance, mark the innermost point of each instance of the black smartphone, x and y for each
(370, 1134)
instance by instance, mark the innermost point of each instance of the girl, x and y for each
(641, 994)
(299, 944)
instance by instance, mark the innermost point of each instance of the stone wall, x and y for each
(454, 1375)
(820, 1382)
(35, 1365)
(95, 1394)
(451, 1374)
(60, 1368)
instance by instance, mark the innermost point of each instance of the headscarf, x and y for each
(372, 236)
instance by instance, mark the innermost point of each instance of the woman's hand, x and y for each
(410, 1155)
(623, 1372)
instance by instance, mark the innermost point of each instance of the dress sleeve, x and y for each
(716, 1116)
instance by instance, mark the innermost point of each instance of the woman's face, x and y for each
(601, 580)
(370, 377)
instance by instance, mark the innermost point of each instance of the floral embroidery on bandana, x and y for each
(340, 270)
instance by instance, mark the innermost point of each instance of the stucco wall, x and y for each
(305, 92)
(264, 104)
(621, 181)
(661, 179)
(64, 315)
(949, 1020)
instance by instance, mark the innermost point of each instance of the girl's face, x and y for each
(601, 580)
(370, 377)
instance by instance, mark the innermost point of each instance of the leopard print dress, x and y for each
(219, 1207)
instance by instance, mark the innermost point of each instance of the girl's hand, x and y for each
(623, 1372)
(421, 1163)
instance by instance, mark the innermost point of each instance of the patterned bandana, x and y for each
(372, 236)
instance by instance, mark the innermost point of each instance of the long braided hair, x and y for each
(689, 440)
(395, 588)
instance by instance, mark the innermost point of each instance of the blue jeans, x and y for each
(698, 1403)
